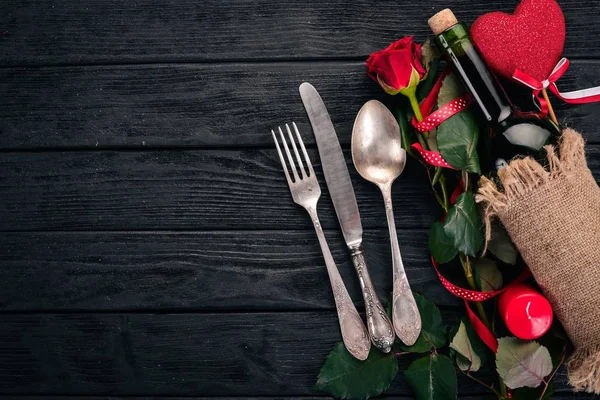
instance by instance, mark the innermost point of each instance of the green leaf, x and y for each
(533, 393)
(457, 139)
(522, 363)
(345, 377)
(440, 246)
(451, 90)
(463, 225)
(432, 377)
(478, 345)
(501, 246)
(469, 360)
(433, 330)
(487, 275)
(431, 63)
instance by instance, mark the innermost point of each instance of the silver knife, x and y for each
(344, 201)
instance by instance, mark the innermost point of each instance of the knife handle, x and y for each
(378, 323)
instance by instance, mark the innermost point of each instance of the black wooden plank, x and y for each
(230, 354)
(206, 189)
(258, 354)
(98, 31)
(192, 190)
(315, 397)
(200, 105)
(189, 270)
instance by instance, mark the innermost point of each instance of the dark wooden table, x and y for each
(149, 245)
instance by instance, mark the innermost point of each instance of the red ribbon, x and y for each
(440, 115)
(431, 157)
(434, 119)
(473, 295)
(582, 96)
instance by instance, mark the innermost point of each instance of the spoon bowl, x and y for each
(376, 147)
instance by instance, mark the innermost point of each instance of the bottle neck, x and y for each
(458, 50)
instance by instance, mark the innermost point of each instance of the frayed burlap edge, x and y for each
(524, 175)
(519, 178)
(584, 369)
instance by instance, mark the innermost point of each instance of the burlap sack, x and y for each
(553, 217)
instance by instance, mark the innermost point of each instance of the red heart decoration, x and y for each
(532, 39)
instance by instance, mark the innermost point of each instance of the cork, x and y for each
(442, 21)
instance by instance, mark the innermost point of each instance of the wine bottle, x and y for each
(512, 133)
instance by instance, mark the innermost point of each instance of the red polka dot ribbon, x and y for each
(433, 119)
(473, 295)
(431, 157)
(443, 113)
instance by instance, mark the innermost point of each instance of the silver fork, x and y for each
(306, 192)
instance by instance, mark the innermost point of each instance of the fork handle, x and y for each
(380, 326)
(354, 333)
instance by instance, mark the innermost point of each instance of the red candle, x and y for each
(526, 313)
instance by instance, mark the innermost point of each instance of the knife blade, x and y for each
(334, 165)
(344, 201)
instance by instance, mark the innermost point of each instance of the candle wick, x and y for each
(527, 310)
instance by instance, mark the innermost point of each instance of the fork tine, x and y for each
(300, 163)
(289, 156)
(301, 142)
(285, 170)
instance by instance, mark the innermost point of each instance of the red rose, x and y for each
(398, 67)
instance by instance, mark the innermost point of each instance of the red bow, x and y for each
(575, 97)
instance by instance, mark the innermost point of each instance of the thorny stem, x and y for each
(441, 202)
(549, 379)
(482, 383)
(414, 104)
(466, 264)
(401, 353)
(444, 192)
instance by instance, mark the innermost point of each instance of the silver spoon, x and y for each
(379, 158)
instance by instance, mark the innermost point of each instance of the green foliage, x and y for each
(463, 225)
(345, 377)
(501, 246)
(466, 358)
(441, 246)
(431, 64)
(433, 330)
(432, 378)
(451, 90)
(487, 275)
(522, 363)
(457, 139)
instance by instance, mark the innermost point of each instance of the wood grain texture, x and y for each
(98, 31)
(256, 354)
(191, 190)
(182, 105)
(200, 271)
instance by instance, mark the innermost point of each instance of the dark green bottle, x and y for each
(512, 133)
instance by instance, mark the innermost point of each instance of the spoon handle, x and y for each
(378, 323)
(405, 314)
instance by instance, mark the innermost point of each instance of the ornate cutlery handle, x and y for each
(405, 314)
(380, 327)
(354, 333)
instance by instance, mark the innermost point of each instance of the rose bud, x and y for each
(397, 68)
